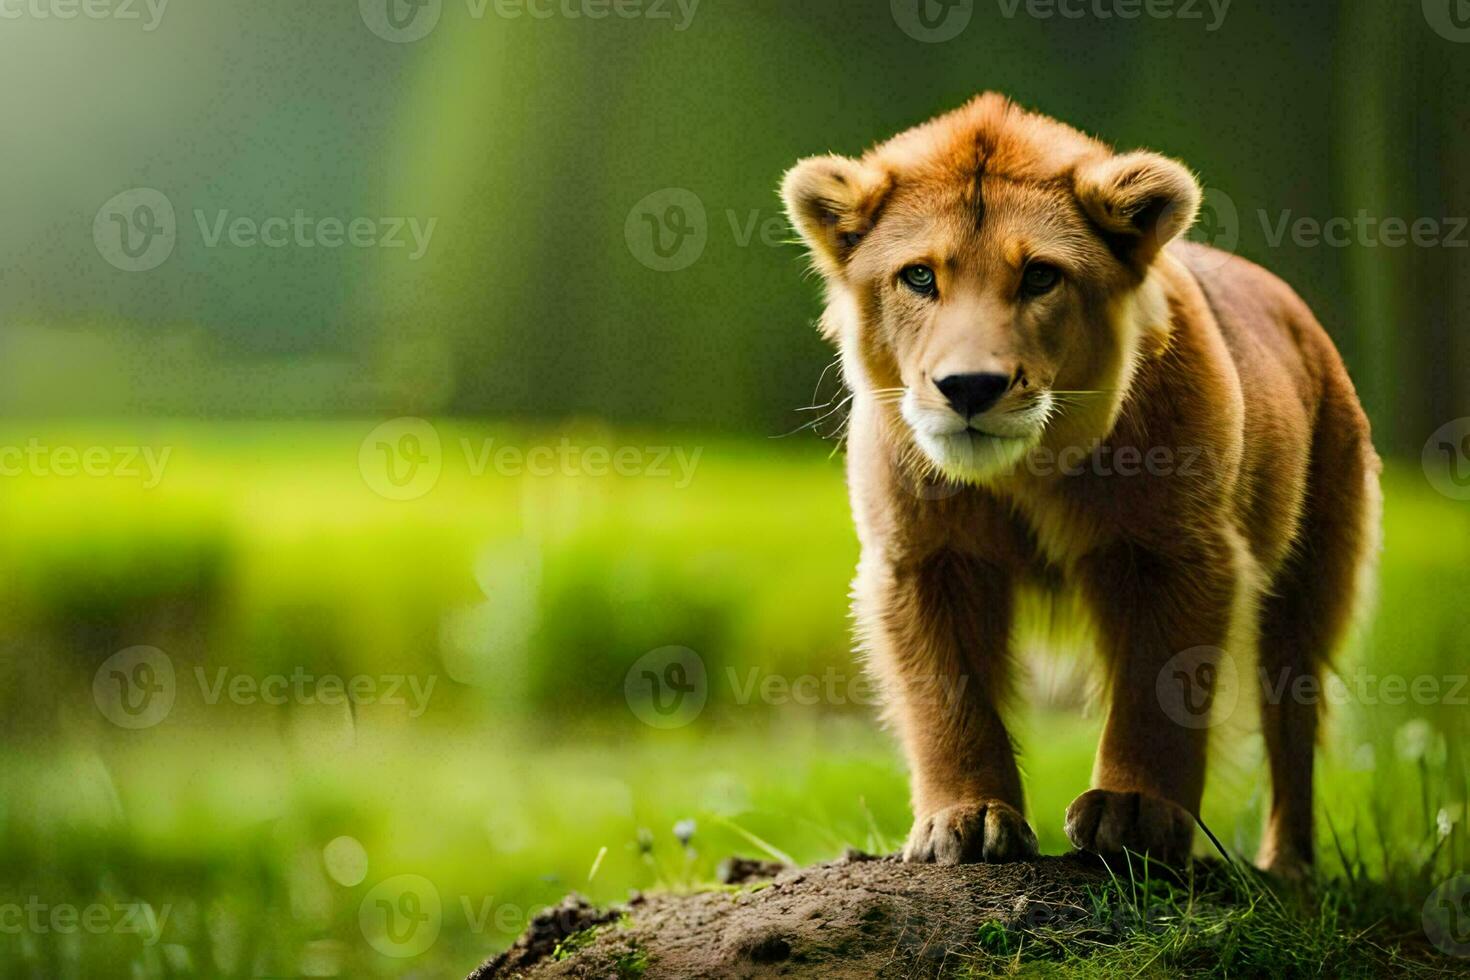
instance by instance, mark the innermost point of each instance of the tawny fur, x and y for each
(1248, 529)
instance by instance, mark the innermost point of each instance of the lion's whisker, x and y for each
(823, 376)
(816, 421)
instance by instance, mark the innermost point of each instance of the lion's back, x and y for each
(1305, 426)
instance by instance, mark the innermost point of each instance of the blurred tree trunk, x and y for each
(1401, 112)
(1442, 281)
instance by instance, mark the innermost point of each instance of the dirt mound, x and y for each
(856, 917)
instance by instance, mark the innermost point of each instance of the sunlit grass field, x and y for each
(491, 752)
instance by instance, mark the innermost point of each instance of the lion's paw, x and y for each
(989, 831)
(1284, 863)
(1107, 822)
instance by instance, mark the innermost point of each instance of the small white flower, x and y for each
(1412, 739)
(1365, 758)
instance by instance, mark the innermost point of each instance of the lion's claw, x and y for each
(967, 833)
(1107, 822)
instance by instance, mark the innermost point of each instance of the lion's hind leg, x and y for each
(1307, 614)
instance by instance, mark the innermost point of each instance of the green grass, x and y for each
(263, 551)
(1219, 920)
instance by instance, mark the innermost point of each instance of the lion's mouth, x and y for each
(972, 454)
(989, 446)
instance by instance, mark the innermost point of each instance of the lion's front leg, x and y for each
(1166, 628)
(937, 635)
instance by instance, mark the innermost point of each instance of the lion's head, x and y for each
(988, 276)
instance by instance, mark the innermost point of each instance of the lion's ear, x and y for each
(1141, 201)
(833, 201)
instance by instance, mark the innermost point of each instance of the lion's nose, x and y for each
(972, 394)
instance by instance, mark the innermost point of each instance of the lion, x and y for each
(1017, 315)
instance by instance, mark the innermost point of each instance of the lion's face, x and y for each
(977, 321)
(982, 275)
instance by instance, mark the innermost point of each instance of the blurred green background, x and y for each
(208, 447)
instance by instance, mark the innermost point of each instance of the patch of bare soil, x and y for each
(856, 917)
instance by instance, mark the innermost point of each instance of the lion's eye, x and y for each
(1039, 278)
(919, 278)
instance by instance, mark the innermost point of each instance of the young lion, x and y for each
(1052, 394)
